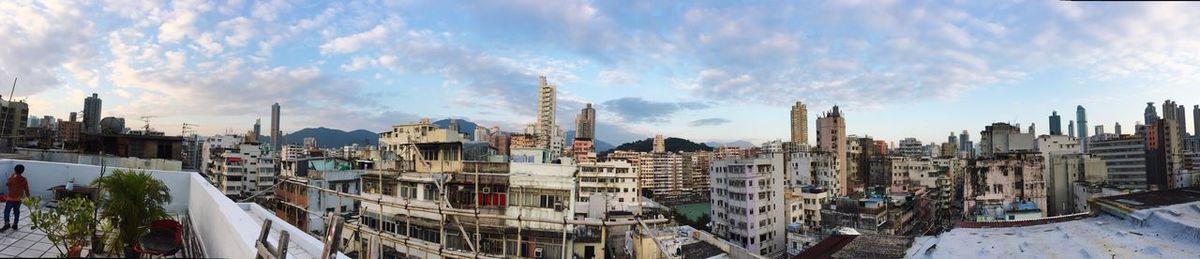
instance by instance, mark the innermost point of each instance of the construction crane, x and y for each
(146, 119)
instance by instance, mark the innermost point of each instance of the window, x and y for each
(431, 192)
(408, 190)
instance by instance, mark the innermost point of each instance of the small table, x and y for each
(61, 192)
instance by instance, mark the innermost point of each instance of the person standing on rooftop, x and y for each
(18, 188)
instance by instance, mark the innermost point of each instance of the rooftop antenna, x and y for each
(146, 119)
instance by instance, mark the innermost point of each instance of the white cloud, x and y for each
(181, 23)
(268, 10)
(615, 77)
(238, 31)
(353, 42)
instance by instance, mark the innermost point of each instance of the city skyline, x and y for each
(700, 71)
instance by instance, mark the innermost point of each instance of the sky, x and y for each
(707, 71)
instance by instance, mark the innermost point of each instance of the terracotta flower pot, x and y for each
(76, 251)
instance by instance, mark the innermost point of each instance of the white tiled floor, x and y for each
(25, 242)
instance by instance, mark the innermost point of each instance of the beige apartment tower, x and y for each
(546, 105)
(660, 145)
(800, 124)
(831, 137)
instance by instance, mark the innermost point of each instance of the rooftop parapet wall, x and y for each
(225, 229)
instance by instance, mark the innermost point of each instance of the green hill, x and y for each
(672, 145)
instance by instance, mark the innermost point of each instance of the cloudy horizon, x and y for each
(705, 71)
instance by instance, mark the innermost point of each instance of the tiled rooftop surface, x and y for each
(25, 242)
(28, 242)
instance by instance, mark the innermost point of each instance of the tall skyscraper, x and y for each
(1117, 129)
(800, 124)
(1181, 117)
(660, 144)
(585, 124)
(257, 128)
(952, 139)
(276, 135)
(1081, 118)
(1196, 119)
(1032, 129)
(1071, 129)
(831, 137)
(1099, 130)
(1150, 114)
(546, 106)
(73, 117)
(91, 114)
(964, 143)
(1169, 110)
(1055, 123)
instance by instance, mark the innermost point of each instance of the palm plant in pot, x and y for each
(68, 225)
(131, 200)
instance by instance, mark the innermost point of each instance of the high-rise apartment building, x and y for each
(276, 135)
(965, 145)
(911, 147)
(91, 114)
(831, 137)
(695, 171)
(1071, 128)
(585, 124)
(1081, 118)
(1196, 119)
(1125, 158)
(1164, 156)
(952, 139)
(1055, 123)
(15, 115)
(748, 203)
(660, 144)
(800, 124)
(1181, 117)
(1117, 129)
(1099, 130)
(1151, 114)
(257, 128)
(547, 99)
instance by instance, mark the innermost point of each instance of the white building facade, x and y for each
(748, 203)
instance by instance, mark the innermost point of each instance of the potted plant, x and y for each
(77, 215)
(131, 200)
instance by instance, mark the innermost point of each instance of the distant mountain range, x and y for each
(739, 143)
(671, 144)
(599, 145)
(332, 138)
(465, 126)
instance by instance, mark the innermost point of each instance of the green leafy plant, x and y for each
(77, 215)
(131, 200)
(106, 234)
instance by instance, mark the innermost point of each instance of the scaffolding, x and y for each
(448, 214)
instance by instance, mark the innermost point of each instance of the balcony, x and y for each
(224, 228)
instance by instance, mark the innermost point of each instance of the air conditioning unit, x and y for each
(537, 253)
(486, 190)
(558, 206)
